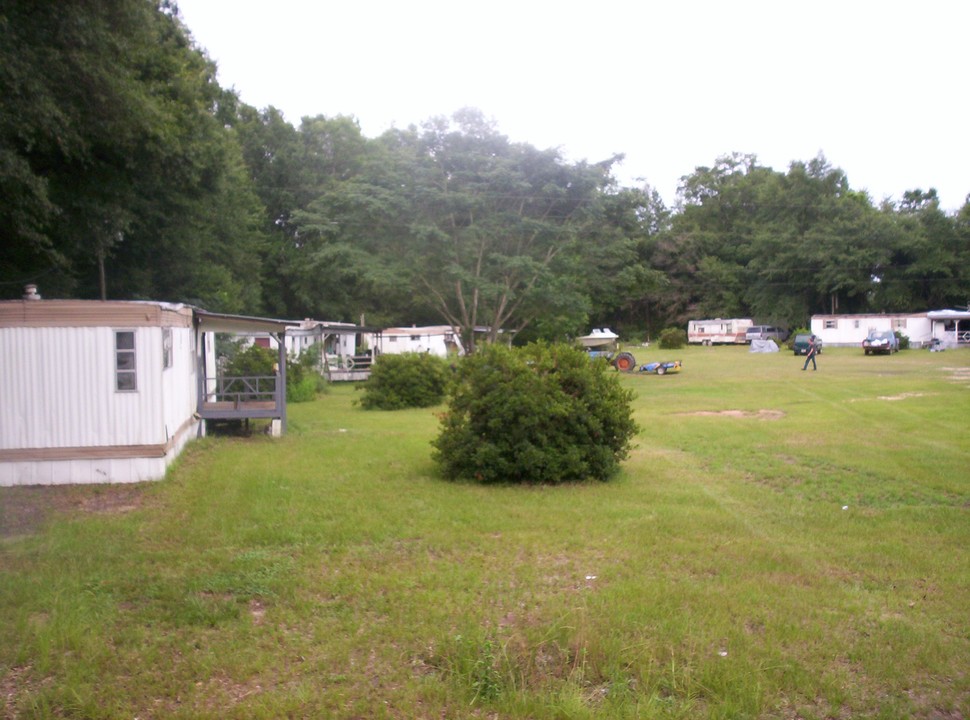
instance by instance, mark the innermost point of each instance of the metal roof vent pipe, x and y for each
(30, 292)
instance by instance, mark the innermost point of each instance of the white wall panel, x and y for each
(59, 389)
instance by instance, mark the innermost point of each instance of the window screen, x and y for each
(125, 378)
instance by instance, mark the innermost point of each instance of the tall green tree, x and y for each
(706, 252)
(927, 268)
(624, 287)
(335, 262)
(821, 248)
(750, 241)
(504, 233)
(452, 222)
(113, 137)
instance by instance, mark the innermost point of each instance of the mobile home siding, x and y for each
(62, 419)
(53, 403)
(851, 330)
(179, 382)
(440, 340)
(83, 471)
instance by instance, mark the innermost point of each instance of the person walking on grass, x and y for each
(810, 355)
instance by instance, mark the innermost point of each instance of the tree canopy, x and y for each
(126, 171)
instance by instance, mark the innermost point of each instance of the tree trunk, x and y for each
(102, 282)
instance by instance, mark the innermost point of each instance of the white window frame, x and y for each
(167, 348)
(126, 361)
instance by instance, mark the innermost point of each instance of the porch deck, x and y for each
(347, 375)
(233, 397)
(231, 410)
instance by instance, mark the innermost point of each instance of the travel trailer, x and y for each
(718, 331)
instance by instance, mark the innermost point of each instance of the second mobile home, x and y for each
(718, 331)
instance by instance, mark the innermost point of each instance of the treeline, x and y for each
(126, 171)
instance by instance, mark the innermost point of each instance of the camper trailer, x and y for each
(719, 331)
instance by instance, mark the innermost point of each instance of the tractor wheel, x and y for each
(661, 370)
(625, 362)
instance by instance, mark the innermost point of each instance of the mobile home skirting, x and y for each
(101, 464)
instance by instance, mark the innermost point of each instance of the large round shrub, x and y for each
(408, 380)
(539, 414)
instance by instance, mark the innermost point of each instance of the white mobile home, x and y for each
(951, 327)
(94, 392)
(851, 330)
(332, 339)
(718, 331)
(340, 349)
(440, 340)
(110, 392)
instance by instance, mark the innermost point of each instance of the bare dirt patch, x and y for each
(757, 415)
(25, 510)
(902, 396)
(957, 374)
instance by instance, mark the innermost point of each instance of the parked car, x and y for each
(765, 332)
(800, 346)
(881, 341)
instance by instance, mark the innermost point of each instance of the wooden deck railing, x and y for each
(253, 396)
(239, 389)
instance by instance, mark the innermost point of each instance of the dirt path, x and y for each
(25, 510)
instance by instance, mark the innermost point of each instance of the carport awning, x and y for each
(219, 322)
(319, 329)
(948, 315)
(210, 405)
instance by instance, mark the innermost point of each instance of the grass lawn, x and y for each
(780, 544)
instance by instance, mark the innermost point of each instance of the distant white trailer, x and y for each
(851, 330)
(951, 328)
(719, 331)
(440, 340)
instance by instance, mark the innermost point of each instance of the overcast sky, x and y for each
(878, 87)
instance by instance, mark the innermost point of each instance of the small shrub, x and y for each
(539, 414)
(409, 380)
(903, 340)
(254, 360)
(673, 338)
(303, 381)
